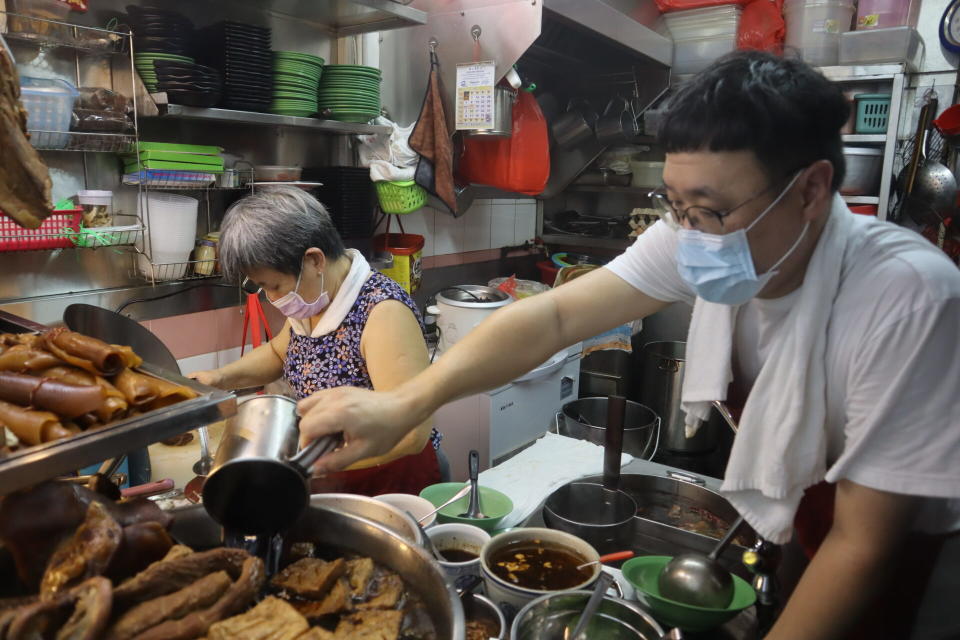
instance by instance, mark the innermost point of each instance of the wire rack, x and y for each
(126, 230)
(153, 273)
(52, 33)
(82, 141)
(189, 180)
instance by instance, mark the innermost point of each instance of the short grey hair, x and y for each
(273, 229)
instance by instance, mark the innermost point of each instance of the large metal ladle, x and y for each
(699, 580)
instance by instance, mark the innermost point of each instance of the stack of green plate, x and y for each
(350, 92)
(144, 64)
(296, 78)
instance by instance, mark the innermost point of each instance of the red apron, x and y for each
(409, 474)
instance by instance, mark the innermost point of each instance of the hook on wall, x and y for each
(476, 31)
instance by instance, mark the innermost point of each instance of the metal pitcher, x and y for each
(258, 482)
(575, 126)
(664, 364)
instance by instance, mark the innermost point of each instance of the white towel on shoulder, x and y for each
(780, 449)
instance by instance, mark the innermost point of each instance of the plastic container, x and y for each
(40, 29)
(49, 105)
(814, 28)
(863, 171)
(646, 174)
(872, 112)
(400, 197)
(407, 251)
(881, 14)
(874, 46)
(548, 272)
(703, 23)
(97, 207)
(700, 36)
(54, 232)
(170, 222)
(864, 209)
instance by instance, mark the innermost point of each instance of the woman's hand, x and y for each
(212, 378)
(372, 422)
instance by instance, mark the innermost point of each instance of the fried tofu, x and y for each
(272, 619)
(360, 571)
(317, 633)
(338, 600)
(387, 592)
(310, 578)
(370, 625)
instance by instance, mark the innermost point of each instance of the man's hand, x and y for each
(372, 422)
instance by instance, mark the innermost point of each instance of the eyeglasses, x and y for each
(700, 218)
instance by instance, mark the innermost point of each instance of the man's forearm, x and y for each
(838, 583)
(510, 343)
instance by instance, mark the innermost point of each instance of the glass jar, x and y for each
(205, 257)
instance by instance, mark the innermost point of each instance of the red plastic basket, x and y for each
(53, 233)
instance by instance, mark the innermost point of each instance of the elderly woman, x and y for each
(347, 325)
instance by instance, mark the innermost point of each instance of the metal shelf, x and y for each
(609, 188)
(862, 72)
(865, 138)
(267, 120)
(618, 244)
(45, 33)
(862, 199)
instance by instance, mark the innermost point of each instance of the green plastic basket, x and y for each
(873, 110)
(400, 197)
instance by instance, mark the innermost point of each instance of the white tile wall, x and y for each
(212, 360)
(487, 224)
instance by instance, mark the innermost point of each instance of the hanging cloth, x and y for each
(431, 139)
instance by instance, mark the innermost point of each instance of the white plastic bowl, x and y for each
(416, 505)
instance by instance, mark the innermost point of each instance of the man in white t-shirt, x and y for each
(850, 324)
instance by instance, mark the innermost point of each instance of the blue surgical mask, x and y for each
(719, 268)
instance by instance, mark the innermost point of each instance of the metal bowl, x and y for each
(554, 617)
(350, 532)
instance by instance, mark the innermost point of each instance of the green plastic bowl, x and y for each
(493, 503)
(643, 573)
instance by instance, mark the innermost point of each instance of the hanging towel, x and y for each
(780, 449)
(431, 139)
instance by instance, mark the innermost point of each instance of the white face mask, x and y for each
(292, 305)
(719, 268)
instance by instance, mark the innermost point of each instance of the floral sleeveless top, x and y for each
(334, 359)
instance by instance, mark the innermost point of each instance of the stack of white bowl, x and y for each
(170, 223)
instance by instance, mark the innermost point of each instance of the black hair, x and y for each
(782, 109)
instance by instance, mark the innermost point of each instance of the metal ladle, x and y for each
(599, 591)
(699, 580)
(202, 466)
(473, 509)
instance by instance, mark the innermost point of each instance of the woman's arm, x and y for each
(393, 346)
(257, 368)
(851, 566)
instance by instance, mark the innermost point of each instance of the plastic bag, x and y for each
(520, 163)
(762, 27)
(666, 6)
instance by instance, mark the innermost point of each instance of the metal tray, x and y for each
(31, 465)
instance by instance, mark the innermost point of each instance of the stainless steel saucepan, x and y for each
(259, 483)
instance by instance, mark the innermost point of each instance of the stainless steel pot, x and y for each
(664, 364)
(258, 482)
(600, 513)
(503, 99)
(616, 126)
(555, 615)
(586, 419)
(345, 531)
(575, 126)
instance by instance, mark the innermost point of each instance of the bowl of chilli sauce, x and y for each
(523, 564)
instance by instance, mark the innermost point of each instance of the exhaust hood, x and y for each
(582, 48)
